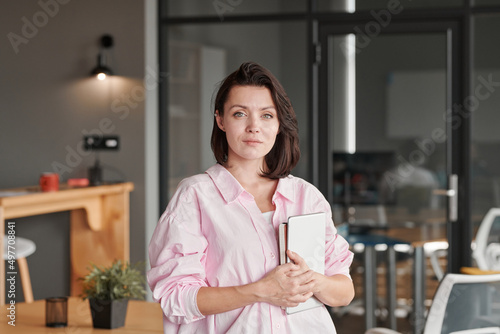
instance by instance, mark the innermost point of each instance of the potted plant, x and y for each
(109, 289)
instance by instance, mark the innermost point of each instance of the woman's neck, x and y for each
(248, 172)
(261, 187)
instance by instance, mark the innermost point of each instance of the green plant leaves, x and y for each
(118, 281)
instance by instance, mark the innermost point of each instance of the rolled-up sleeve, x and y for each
(338, 256)
(177, 254)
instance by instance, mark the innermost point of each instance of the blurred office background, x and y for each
(394, 99)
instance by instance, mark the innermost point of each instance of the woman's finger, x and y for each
(297, 259)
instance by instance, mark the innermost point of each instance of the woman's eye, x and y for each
(238, 114)
(267, 116)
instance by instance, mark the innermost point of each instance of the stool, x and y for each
(24, 248)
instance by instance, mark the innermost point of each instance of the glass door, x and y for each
(386, 135)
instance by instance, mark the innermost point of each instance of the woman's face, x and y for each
(250, 122)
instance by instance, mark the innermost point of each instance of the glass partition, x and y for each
(386, 102)
(386, 160)
(484, 106)
(388, 133)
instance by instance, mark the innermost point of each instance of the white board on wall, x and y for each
(416, 103)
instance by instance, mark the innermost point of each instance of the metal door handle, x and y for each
(452, 195)
(444, 192)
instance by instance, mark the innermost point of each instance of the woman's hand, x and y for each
(287, 285)
(334, 290)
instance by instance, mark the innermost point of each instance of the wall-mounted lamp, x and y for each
(101, 70)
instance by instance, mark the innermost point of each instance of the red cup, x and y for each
(49, 182)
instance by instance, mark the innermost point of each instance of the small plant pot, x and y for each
(108, 314)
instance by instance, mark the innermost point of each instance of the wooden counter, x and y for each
(142, 317)
(99, 230)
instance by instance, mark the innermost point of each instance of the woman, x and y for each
(214, 253)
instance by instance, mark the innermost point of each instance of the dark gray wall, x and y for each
(48, 101)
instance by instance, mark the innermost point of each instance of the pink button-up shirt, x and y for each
(213, 234)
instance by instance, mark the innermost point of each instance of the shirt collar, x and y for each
(231, 189)
(286, 189)
(228, 186)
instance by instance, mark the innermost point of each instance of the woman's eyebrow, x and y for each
(238, 106)
(245, 107)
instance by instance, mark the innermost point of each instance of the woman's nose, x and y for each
(253, 125)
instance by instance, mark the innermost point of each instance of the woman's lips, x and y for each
(252, 141)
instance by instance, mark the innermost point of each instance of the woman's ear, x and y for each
(220, 121)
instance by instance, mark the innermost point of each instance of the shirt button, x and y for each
(278, 326)
(272, 255)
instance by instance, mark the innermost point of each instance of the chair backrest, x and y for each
(487, 250)
(464, 302)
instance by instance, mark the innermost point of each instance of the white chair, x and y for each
(487, 245)
(462, 304)
(23, 249)
(435, 250)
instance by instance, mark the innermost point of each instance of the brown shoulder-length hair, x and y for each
(285, 153)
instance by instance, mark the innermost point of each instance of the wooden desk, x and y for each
(99, 230)
(142, 317)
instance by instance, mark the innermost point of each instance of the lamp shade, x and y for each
(102, 70)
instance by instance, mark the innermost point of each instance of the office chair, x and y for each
(463, 304)
(487, 245)
(23, 248)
